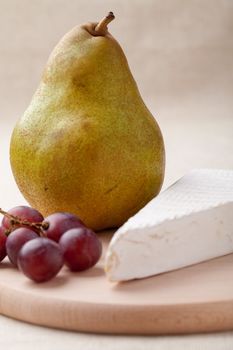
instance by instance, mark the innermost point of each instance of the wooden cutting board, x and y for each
(194, 299)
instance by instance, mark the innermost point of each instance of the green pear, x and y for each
(87, 144)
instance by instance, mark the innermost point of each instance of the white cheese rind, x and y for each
(190, 222)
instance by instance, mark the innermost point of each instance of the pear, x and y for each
(87, 144)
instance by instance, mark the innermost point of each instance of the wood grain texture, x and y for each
(194, 299)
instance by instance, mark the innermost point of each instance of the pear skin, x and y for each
(87, 144)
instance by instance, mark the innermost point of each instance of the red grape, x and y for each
(23, 213)
(16, 240)
(81, 248)
(58, 223)
(40, 259)
(3, 239)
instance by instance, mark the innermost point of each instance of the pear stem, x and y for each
(101, 27)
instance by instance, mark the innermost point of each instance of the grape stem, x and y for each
(15, 221)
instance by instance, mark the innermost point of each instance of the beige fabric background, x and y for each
(181, 54)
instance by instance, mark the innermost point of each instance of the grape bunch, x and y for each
(40, 246)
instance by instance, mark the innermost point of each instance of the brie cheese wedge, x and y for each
(190, 222)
